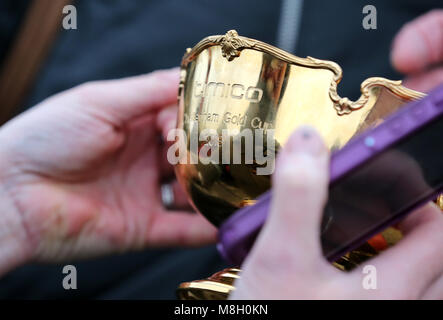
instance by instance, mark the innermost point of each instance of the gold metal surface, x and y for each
(216, 287)
(440, 201)
(233, 82)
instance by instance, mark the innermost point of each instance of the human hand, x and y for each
(418, 51)
(81, 172)
(287, 262)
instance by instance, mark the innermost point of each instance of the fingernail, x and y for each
(305, 140)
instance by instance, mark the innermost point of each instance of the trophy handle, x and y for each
(345, 106)
(379, 97)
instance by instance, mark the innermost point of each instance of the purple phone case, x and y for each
(237, 234)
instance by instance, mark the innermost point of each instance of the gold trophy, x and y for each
(235, 83)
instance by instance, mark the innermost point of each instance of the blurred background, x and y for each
(119, 38)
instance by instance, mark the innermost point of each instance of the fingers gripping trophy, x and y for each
(239, 100)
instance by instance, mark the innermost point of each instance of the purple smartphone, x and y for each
(375, 180)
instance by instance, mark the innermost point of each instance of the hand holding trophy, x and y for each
(239, 101)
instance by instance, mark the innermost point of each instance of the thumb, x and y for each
(419, 43)
(129, 98)
(291, 235)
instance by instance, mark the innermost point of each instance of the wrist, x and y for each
(13, 235)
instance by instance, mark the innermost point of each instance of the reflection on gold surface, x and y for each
(233, 82)
(216, 287)
(440, 201)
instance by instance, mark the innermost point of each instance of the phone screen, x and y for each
(377, 193)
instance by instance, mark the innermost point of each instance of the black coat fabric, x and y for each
(119, 38)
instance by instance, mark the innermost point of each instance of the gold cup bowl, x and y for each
(230, 83)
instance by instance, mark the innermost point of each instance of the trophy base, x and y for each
(220, 285)
(216, 287)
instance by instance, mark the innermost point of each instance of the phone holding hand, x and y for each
(376, 179)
